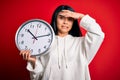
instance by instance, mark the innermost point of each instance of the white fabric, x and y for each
(69, 57)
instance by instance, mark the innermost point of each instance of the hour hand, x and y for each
(42, 35)
(32, 34)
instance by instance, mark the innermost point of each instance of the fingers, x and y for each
(25, 54)
(66, 13)
(75, 15)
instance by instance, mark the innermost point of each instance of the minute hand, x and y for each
(42, 35)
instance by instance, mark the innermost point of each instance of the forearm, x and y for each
(93, 38)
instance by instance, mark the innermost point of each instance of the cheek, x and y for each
(59, 22)
(70, 25)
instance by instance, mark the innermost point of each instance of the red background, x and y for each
(13, 13)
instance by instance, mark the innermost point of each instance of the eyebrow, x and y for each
(64, 16)
(61, 15)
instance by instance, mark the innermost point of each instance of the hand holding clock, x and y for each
(26, 56)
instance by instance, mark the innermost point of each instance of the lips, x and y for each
(64, 27)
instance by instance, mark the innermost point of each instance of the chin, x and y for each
(65, 31)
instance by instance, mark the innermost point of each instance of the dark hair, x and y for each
(75, 31)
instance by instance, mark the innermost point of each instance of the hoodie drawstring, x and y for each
(65, 52)
(59, 56)
(59, 53)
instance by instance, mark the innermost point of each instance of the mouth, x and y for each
(65, 27)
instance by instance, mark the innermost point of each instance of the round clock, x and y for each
(35, 35)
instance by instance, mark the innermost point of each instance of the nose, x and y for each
(65, 21)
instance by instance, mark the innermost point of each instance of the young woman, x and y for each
(69, 57)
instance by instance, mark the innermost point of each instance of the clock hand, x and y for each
(42, 35)
(35, 35)
(32, 34)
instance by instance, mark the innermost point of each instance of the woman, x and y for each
(69, 57)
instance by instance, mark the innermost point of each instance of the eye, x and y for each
(70, 19)
(61, 17)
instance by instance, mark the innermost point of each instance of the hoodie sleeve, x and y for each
(36, 73)
(93, 37)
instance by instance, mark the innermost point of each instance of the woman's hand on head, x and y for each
(26, 56)
(75, 15)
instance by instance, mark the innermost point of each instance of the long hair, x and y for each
(75, 31)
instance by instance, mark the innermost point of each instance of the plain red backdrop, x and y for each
(13, 13)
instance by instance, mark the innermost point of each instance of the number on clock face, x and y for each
(34, 35)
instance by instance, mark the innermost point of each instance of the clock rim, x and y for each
(33, 20)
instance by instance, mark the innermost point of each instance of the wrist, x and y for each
(81, 16)
(32, 61)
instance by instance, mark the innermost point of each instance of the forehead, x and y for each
(60, 13)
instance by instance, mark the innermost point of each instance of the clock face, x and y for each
(34, 35)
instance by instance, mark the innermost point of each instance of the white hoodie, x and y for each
(69, 57)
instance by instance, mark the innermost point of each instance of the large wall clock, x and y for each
(35, 35)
